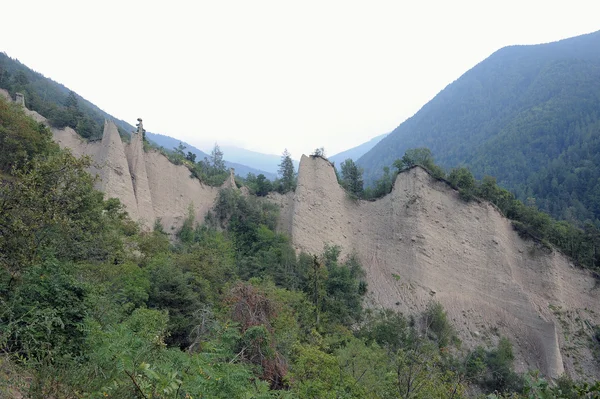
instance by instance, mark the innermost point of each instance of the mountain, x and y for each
(61, 106)
(65, 108)
(268, 162)
(528, 115)
(355, 153)
(240, 169)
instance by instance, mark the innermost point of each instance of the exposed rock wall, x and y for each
(173, 191)
(141, 187)
(422, 242)
(148, 185)
(115, 176)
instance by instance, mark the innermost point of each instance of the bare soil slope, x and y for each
(421, 243)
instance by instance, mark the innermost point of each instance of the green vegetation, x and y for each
(58, 104)
(580, 244)
(527, 115)
(352, 179)
(287, 181)
(90, 307)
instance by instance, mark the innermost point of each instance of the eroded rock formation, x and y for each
(148, 185)
(419, 243)
(422, 242)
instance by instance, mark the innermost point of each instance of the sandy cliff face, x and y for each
(115, 178)
(422, 242)
(141, 187)
(148, 185)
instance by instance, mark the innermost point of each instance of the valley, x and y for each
(130, 269)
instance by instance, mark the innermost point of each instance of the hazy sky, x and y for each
(267, 75)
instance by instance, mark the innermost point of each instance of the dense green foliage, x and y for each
(58, 104)
(352, 179)
(91, 307)
(527, 115)
(287, 175)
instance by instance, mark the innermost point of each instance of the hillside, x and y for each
(527, 115)
(61, 106)
(233, 308)
(355, 153)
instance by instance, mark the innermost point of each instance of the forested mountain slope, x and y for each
(356, 152)
(54, 101)
(528, 115)
(65, 108)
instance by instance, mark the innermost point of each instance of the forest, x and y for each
(527, 115)
(61, 106)
(93, 307)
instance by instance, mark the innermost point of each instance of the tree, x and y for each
(415, 156)
(352, 177)
(216, 160)
(319, 152)
(21, 79)
(287, 173)
(263, 185)
(422, 157)
(191, 157)
(71, 101)
(179, 150)
(462, 179)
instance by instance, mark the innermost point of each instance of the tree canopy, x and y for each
(287, 174)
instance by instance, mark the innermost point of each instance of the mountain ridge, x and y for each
(356, 152)
(534, 102)
(47, 97)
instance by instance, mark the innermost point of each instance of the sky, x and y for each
(270, 75)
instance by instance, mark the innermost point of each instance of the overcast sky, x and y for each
(267, 75)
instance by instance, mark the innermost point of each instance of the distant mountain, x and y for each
(240, 169)
(268, 162)
(62, 107)
(356, 152)
(57, 103)
(528, 115)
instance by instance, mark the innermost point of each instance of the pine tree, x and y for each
(352, 177)
(216, 160)
(287, 173)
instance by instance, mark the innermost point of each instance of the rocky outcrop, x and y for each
(148, 185)
(139, 177)
(422, 242)
(115, 177)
